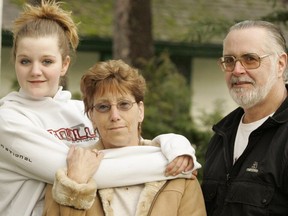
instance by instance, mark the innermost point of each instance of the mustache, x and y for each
(235, 80)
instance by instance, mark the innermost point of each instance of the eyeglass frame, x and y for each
(117, 105)
(221, 61)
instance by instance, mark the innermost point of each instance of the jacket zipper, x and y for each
(155, 198)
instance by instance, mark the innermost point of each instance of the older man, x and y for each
(246, 169)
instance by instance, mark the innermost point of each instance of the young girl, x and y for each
(40, 121)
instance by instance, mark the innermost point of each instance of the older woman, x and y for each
(113, 94)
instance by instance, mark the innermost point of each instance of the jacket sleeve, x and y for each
(192, 202)
(68, 192)
(52, 208)
(173, 145)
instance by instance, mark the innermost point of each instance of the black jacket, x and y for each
(257, 184)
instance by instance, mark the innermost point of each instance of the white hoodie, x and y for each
(34, 139)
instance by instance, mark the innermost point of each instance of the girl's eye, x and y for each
(47, 62)
(24, 61)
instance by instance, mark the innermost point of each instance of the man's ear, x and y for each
(282, 64)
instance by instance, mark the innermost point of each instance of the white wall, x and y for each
(7, 72)
(80, 64)
(208, 86)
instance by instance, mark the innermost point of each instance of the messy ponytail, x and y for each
(47, 19)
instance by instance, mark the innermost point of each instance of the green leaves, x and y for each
(167, 102)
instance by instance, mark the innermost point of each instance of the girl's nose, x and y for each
(35, 69)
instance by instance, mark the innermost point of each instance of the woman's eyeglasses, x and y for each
(123, 105)
(248, 61)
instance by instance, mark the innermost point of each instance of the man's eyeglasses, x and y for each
(123, 105)
(248, 61)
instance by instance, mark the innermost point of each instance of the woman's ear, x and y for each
(65, 65)
(141, 111)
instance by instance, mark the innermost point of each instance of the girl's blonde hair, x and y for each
(46, 20)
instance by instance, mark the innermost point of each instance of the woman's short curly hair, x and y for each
(113, 76)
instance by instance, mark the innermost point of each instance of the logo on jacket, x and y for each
(253, 168)
(77, 133)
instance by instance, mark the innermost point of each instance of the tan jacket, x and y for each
(178, 197)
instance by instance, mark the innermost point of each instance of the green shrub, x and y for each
(167, 102)
(168, 105)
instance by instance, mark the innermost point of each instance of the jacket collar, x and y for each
(147, 196)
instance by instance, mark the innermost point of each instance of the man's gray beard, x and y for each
(250, 98)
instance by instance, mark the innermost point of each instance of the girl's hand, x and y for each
(82, 163)
(180, 164)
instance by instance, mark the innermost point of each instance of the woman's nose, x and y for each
(114, 113)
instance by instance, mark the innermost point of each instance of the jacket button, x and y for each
(211, 195)
(264, 201)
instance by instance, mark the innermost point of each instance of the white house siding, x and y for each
(80, 64)
(7, 71)
(208, 86)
